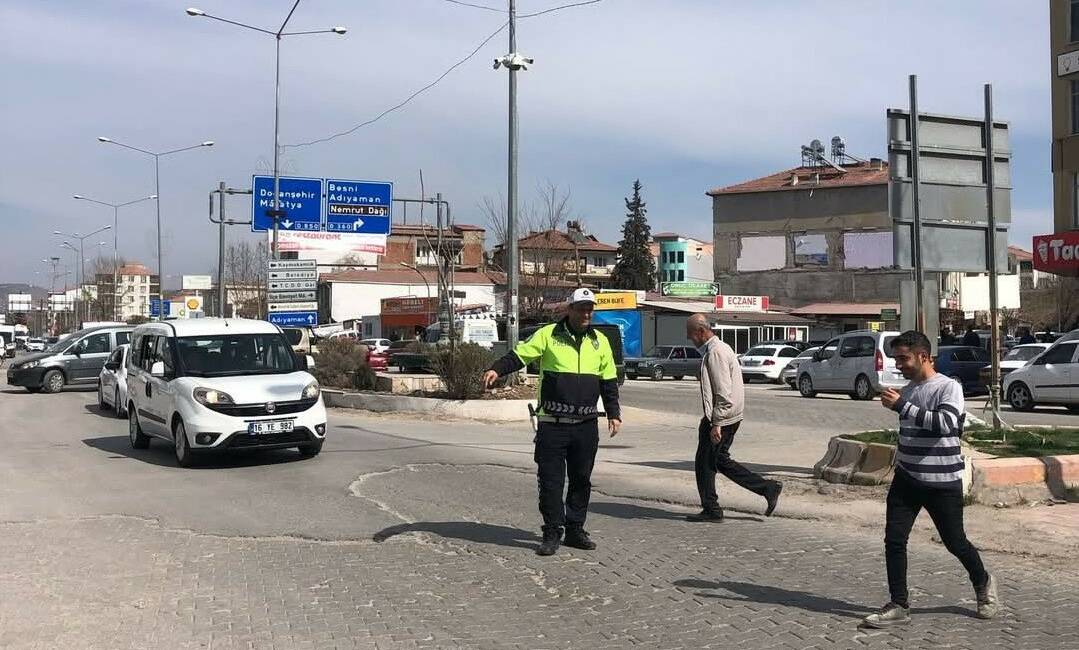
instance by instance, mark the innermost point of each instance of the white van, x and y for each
(858, 363)
(481, 331)
(213, 384)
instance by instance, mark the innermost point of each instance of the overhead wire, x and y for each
(442, 76)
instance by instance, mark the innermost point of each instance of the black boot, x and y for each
(552, 539)
(771, 494)
(706, 515)
(578, 538)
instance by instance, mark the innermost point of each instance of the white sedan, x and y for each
(766, 361)
(1050, 378)
(112, 383)
(377, 346)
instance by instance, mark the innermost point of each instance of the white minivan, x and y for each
(858, 363)
(214, 384)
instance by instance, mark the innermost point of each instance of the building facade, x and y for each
(812, 234)
(563, 256)
(1064, 85)
(131, 293)
(682, 259)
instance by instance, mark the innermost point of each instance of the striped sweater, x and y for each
(931, 415)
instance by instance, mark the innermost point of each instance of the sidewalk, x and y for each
(653, 460)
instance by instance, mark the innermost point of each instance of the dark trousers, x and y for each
(715, 458)
(565, 450)
(906, 498)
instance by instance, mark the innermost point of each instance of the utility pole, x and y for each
(994, 305)
(916, 234)
(220, 249)
(512, 61)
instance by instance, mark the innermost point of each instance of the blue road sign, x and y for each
(363, 207)
(300, 201)
(155, 307)
(287, 318)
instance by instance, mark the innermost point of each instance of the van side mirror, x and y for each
(309, 361)
(158, 369)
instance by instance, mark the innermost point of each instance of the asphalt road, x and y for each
(393, 539)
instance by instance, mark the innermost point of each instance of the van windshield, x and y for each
(235, 354)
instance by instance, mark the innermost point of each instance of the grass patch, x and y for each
(1030, 443)
(884, 436)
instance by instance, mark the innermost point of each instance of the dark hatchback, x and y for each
(963, 363)
(73, 360)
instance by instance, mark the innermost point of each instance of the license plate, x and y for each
(270, 426)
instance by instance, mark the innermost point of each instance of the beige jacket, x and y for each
(723, 396)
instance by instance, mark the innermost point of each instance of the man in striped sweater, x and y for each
(928, 474)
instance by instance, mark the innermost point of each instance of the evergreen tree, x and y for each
(636, 269)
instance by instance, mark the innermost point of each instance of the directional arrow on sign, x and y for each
(286, 223)
(356, 225)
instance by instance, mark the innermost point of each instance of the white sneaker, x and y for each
(889, 615)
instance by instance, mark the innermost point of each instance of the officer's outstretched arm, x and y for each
(525, 353)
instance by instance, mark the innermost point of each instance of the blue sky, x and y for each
(684, 94)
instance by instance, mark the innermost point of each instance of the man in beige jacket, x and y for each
(723, 399)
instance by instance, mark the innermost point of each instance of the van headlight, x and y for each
(30, 364)
(212, 397)
(311, 391)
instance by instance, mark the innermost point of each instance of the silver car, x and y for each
(112, 383)
(859, 364)
(789, 376)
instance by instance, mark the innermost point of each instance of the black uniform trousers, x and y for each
(713, 458)
(565, 450)
(906, 498)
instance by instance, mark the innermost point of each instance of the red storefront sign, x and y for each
(1057, 253)
(741, 303)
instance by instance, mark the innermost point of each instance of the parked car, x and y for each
(801, 346)
(675, 361)
(210, 384)
(789, 376)
(1050, 378)
(377, 345)
(1016, 358)
(397, 347)
(112, 383)
(35, 345)
(766, 362)
(858, 363)
(74, 360)
(377, 361)
(963, 364)
(302, 339)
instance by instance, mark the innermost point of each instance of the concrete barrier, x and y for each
(846, 461)
(1062, 475)
(829, 456)
(876, 465)
(494, 410)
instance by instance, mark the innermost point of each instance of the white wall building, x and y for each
(355, 294)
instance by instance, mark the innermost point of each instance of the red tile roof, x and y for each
(558, 240)
(1020, 254)
(133, 269)
(856, 175)
(531, 280)
(404, 276)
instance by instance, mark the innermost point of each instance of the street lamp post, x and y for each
(115, 238)
(276, 212)
(157, 193)
(81, 251)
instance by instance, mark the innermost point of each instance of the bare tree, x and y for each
(245, 266)
(1054, 304)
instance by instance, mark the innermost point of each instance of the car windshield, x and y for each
(1023, 353)
(760, 352)
(659, 352)
(225, 355)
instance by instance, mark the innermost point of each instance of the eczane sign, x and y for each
(741, 303)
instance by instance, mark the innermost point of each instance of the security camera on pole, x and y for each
(513, 62)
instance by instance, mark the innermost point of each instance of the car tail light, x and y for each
(880, 361)
(768, 362)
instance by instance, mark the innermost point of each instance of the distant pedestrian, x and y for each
(972, 339)
(723, 401)
(928, 474)
(1027, 337)
(577, 369)
(946, 336)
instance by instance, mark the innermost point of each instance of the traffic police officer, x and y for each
(577, 368)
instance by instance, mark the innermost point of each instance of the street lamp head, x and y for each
(102, 138)
(192, 11)
(78, 196)
(338, 30)
(152, 196)
(107, 228)
(208, 143)
(57, 232)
